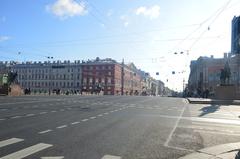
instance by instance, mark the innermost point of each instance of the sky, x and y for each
(145, 32)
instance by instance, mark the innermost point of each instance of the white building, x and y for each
(49, 76)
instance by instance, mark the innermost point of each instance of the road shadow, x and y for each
(209, 109)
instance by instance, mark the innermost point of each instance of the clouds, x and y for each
(125, 20)
(67, 8)
(150, 12)
(4, 38)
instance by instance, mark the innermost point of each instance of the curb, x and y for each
(226, 102)
(224, 151)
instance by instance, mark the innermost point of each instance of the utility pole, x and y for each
(122, 77)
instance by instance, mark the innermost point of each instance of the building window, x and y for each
(97, 67)
(96, 80)
(90, 80)
(109, 81)
(109, 73)
(109, 67)
(84, 80)
(103, 80)
(77, 84)
(91, 67)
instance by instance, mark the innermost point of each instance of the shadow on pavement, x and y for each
(209, 109)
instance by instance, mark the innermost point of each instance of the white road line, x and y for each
(111, 157)
(74, 123)
(112, 111)
(27, 151)
(45, 131)
(100, 115)
(85, 120)
(3, 109)
(43, 113)
(106, 113)
(62, 126)
(93, 117)
(10, 141)
(2, 119)
(175, 126)
(53, 111)
(15, 117)
(56, 157)
(30, 114)
(62, 110)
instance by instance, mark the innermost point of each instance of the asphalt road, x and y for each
(111, 127)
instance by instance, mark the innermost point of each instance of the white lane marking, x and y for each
(15, 117)
(2, 119)
(43, 113)
(74, 123)
(85, 120)
(69, 108)
(62, 110)
(56, 157)
(53, 111)
(93, 117)
(100, 115)
(3, 109)
(62, 126)
(27, 151)
(106, 113)
(10, 141)
(45, 131)
(30, 114)
(175, 126)
(111, 157)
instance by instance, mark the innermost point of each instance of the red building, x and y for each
(109, 77)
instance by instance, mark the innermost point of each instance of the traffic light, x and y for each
(157, 73)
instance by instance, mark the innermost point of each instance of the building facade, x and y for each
(49, 76)
(105, 76)
(109, 77)
(235, 41)
(205, 73)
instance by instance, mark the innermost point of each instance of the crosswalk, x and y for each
(25, 152)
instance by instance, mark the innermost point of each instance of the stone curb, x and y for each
(227, 102)
(224, 151)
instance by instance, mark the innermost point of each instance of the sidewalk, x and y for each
(212, 101)
(224, 151)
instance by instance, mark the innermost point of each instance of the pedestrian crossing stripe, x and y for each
(26, 151)
(10, 141)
